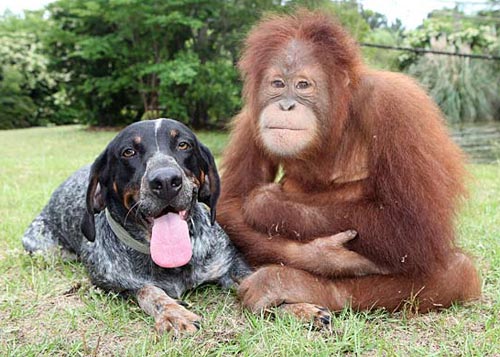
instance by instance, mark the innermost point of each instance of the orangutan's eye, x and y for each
(303, 85)
(183, 145)
(278, 83)
(128, 152)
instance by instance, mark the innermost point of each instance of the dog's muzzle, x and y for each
(166, 197)
(165, 187)
(165, 182)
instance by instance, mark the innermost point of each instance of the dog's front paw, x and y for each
(262, 289)
(177, 319)
(170, 315)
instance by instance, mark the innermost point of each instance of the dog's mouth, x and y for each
(148, 216)
(170, 243)
(183, 213)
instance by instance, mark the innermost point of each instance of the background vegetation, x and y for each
(112, 62)
(48, 306)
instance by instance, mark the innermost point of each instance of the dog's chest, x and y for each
(115, 266)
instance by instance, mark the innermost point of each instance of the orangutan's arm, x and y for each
(324, 256)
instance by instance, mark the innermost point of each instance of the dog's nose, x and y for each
(165, 182)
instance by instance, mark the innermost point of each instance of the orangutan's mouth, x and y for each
(284, 128)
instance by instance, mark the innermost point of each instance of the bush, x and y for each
(16, 108)
(462, 87)
(466, 89)
(381, 58)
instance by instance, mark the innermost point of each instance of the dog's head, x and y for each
(149, 170)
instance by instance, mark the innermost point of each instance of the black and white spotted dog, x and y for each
(135, 220)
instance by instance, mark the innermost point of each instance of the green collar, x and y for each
(125, 236)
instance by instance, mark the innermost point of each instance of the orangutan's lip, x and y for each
(284, 128)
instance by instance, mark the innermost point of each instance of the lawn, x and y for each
(48, 306)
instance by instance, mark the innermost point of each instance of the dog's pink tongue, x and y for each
(170, 245)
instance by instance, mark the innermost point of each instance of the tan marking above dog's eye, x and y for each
(128, 152)
(183, 145)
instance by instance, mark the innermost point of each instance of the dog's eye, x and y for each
(183, 145)
(128, 152)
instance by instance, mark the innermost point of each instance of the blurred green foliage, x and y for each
(133, 59)
(379, 58)
(29, 90)
(464, 89)
(112, 62)
(467, 90)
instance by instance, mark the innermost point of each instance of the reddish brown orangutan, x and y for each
(325, 148)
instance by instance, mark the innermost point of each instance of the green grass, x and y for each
(49, 307)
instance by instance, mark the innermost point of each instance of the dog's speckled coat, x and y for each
(112, 265)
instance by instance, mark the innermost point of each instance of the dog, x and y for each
(138, 220)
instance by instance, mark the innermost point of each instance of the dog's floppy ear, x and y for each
(95, 199)
(210, 189)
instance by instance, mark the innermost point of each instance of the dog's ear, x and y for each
(96, 193)
(210, 187)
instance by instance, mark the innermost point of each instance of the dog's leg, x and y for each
(169, 315)
(39, 237)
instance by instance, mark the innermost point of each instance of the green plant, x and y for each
(463, 88)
